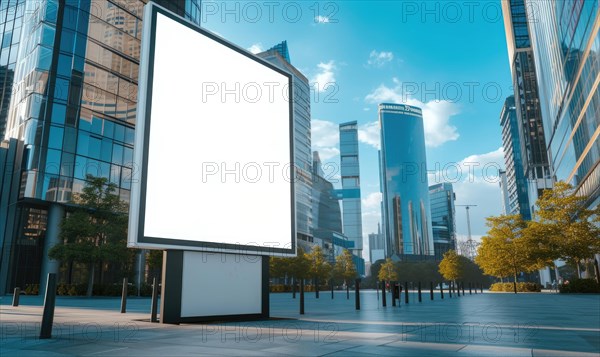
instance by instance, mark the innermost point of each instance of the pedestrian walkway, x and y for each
(472, 325)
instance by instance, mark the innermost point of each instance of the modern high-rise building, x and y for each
(530, 126)
(403, 174)
(327, 215)
(443, 218)
(350, 172)
(518, 198)
(72, 109)
(279, 56)
(503, 182)
(565, 37)
(376, 246)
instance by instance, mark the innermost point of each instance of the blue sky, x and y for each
(447, 57)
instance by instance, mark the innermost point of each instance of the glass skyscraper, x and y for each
(518, 198)
(527, 102)
(443, 218)
(403, 175)
(565, 37)
(279, 56)
(71, 68)
(350, 172)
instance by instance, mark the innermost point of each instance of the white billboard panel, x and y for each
(213, 145)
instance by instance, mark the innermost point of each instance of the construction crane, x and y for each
(470, 245)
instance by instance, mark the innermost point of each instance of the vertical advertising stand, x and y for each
(213, 184)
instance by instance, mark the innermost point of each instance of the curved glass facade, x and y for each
(403, 170)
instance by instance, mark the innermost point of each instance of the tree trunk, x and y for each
(317, 288)
(70, 274)
(578, 268)
(515, 283)
(347, 290)
(91, 273)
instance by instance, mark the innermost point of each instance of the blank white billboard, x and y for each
(213, 145)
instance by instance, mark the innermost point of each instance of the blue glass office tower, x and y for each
(443, 218)
(518, 198)
(71, 111)
(279, 56)
(527, 102)
(403, 174)
(565, 37)
(350, 172)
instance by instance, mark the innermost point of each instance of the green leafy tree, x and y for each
(565, 228)
(388, 271)
(299, 266)
(452, 266)
(95, 230)
(344, 269)
(505, 251)
(320, 268)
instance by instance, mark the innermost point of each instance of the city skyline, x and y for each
(381, 66)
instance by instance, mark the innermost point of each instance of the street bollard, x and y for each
(124, 297)
(154, 304)
(301, 296)
(357, 293)
(49, 304)
(16, 296)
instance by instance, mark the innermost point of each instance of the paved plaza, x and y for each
(489, 324)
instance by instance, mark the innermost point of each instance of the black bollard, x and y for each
(395, 293)
(301, 296)
(49, 303)
(431, 290)
(293, 288)
(332, 289)
(419, 291)
(442, 289)
(154, 305)
(357, 293)
(317, 288)
(406, 292)
(383, 297)
(124, 297)
(16, 296)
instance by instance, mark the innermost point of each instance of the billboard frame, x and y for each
(136, 236)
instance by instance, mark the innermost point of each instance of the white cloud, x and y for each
(436, 114)
(379, 59)
(325, 137)
(373, 200)
(370, 134)
(325, 76)
(256, 48)
(321, 19)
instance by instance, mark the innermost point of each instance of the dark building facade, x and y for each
(530, 126)
(72, 110)
(443, 218)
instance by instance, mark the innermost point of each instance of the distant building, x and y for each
(443, 218)
(351, 198)
(327, 215)
(516, 182)
(504, 189)
(376, 246)
(406, 210)
(279, 56)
